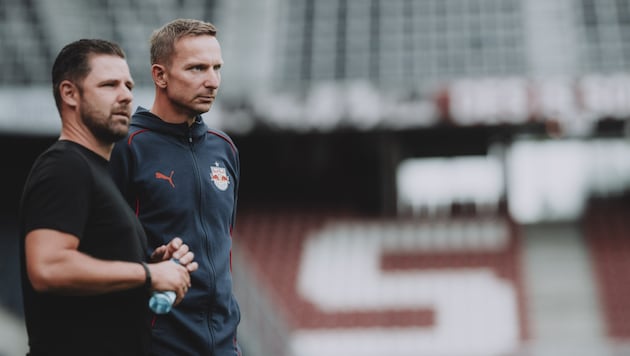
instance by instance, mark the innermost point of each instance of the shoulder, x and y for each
(223, 136)
(60, 168)
(135, 132)
(62, 156)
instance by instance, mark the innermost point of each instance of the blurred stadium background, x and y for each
(419, 177)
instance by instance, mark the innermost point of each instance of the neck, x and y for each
(88, 141)
(163, 109)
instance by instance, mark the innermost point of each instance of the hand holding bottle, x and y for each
(169, 291)
(161, 302)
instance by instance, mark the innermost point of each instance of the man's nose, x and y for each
(125, 94)
(213, 80)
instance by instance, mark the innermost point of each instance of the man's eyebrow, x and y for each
(197, 64)
(130, 83)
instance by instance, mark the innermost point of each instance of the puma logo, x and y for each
(169, 178)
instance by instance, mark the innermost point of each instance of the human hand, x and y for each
(169, 276)
(178, 250)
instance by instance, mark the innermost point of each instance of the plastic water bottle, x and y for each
(161, 302)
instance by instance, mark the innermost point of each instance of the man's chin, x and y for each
(120, 135)
(202, 108)
(113, 135)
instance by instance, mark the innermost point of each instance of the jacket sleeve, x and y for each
(237, 165)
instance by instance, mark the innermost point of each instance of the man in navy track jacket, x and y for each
(182, 178)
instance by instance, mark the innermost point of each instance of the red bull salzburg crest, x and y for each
(219, 176)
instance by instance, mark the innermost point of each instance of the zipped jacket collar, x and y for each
(145, 119)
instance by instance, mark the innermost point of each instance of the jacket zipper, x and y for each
(200, 204)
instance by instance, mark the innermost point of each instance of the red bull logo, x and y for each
(219, 177)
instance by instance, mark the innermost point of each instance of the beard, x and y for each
(102, 126)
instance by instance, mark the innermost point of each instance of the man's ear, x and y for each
(160, 77)
(69, 93)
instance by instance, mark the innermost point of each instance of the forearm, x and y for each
(80, 274)
(54, 264)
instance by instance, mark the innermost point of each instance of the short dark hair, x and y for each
(72, 62)
(163, 39)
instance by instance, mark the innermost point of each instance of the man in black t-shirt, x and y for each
(85, 281)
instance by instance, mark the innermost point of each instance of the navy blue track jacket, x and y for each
(183, 181)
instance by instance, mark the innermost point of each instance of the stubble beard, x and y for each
(103, 127)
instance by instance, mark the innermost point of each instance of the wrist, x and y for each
(148, 281)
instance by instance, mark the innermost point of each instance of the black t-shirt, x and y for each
(69, 189)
